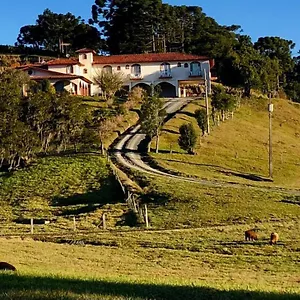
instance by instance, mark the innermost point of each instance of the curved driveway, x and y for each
(127, 154)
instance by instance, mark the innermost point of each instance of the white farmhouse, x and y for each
(173, 72)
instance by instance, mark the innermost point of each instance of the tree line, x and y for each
(143, 26)
(36, 120)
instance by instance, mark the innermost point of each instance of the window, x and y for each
(127, 67)
(186, 65)
(70, 69)
(85, 71)
(84, 56)
(30, 72)
(179, 65)
(136, 70)
(165, 70)
(118, 68)
(195, 68)
(107, 69)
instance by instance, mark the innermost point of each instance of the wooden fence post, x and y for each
(146, 216)
(104, 221)
(31, 225)
(74, 223)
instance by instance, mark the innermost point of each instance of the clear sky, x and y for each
(257, 17)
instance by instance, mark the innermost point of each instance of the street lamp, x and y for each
(270, 109)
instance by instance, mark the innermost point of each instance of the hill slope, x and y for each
(239, 147)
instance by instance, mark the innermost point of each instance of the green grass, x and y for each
(239, 147)
(177, 204)
(57, 188)
(195, 248)
(207, 263)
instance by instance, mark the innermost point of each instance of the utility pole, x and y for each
(270, 109)
(206, 101)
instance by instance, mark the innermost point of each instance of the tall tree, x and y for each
(51, 27)
(277, 48)
(17, 140)
(128, 25)
(152, 116)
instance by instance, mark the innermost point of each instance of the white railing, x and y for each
(165, 74)
(136, 76)
(196, 73)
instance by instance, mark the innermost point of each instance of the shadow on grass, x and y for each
(186, 113)
(228, 172)
(170, 131)
(253, 177)
(292, 200)
(25, 287)
(109, 193)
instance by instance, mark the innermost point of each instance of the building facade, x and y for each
(174, 73)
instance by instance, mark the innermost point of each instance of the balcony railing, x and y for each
(196, 73)
(137, 76)
(165, 74)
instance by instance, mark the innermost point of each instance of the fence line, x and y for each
(131, 198)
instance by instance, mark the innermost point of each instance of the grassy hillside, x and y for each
(237, 150)
(56, 189)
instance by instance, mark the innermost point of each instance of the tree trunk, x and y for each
(149, 146)
(247, 91)
(157, 142)
(101, 147)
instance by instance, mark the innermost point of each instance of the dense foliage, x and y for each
(51, 27)
(143, 26)
(152, 26)
(152, 117)
(188, 137)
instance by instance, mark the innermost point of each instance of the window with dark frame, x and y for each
(118, 68)
(186, 65)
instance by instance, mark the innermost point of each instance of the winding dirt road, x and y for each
(128, 154)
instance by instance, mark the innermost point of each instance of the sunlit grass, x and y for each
(239, 147)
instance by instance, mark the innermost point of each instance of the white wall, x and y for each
(151, 73)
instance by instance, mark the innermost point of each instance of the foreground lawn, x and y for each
(210, 263)
(237, 150)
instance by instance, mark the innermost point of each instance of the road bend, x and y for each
(128, 154)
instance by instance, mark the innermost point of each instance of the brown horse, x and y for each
(274, 238)
(250, 235)
(4, 266)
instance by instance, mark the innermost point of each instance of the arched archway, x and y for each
(59, 86)
(166, 90)
(144, 86)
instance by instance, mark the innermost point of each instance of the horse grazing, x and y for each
(274, 238)
(250, 235)
(4, 266)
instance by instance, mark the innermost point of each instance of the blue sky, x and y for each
(257, 17)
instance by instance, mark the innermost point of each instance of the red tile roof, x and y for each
(62, 62)
(63, 76)
(86, 50)
(149, 57)
(52, 74)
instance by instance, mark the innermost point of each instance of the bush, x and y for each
(188, 138)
